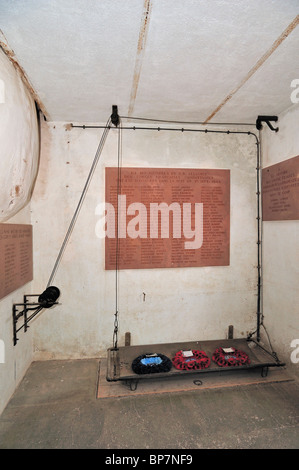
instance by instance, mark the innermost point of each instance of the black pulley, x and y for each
(48, 298)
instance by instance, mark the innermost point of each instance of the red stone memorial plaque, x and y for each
(16, 260)
(167, 218)
(280, 190)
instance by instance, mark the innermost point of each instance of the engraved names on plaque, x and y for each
(168, 218)
(280, 190)
(16, 260)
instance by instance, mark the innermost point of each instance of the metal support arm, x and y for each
(45, 300)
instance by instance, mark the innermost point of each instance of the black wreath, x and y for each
(140, 368)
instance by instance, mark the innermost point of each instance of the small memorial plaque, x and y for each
(16, 259)
(167, 218)
(280, 190)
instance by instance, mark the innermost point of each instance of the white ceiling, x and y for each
(185, 60)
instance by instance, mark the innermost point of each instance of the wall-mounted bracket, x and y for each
(45, 300)
(267, 120)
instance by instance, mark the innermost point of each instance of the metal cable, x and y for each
(259, 242)
(117, 249)
(189, 122)
(82, 197)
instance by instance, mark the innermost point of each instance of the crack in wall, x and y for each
(140, 53)
(259, 63)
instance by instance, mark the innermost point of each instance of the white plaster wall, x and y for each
(19, 153)
(181, 304)
(280, 249)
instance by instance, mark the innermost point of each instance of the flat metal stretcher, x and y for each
(119, 361)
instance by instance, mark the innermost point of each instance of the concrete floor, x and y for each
(55, 407)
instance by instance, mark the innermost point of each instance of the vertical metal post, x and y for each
(259, 241)
(25, 313)
(14, 317)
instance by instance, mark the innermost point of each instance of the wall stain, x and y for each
(11, 56)
(44, 174)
